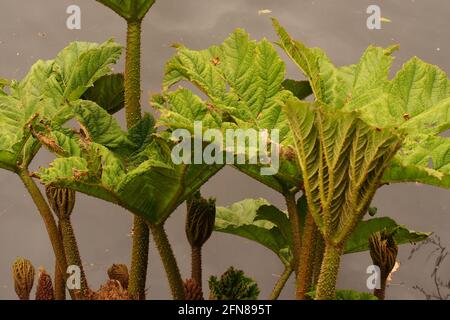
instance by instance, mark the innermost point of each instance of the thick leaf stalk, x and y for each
(73, 255)
(326, 286)
(294, 219)
(139, 256)
(62, 201)
(60, 283)
(133, 74)
(305, 274)
(169, 261)
(139, 259)
(281, 283)
(49, 221)
(319, 250)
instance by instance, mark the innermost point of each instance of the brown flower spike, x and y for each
(44, 290)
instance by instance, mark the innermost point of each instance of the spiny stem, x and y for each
(281, 283)
(139, 259)
(319, 249)
(381, 293)
(196, 261)
(60, 284)
(326, 286)
(304, 277)
(73, 254)
(169, 261)
(133, 74)
(294, 219)
(49, 221)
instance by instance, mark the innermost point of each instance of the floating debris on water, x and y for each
(264, 11)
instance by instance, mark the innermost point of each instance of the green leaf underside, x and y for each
(130, 10)
(300, 89)
(259, 221)
(359, 240)
(46, 93)
(133, 169)
(342, 160)
(243, 82)
(108, 92)
(416, 101)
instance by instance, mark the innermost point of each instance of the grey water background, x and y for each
(31, 30)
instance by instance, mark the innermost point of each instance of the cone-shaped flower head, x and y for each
(383, 250)
(23, 274)
(44, 290)
(61, 200)
(201, 215)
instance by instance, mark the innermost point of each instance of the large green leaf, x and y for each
(243, 82)
(359, 240)
(130, 10)
(101, 126)
(424, 159)
(258, 221)
(81, 64)
(416, 101)
(46, 93)
(133, 169)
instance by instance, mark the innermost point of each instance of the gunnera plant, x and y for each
(132, 169)
(134, 12)
(257, 220)
(362, 131)
(47, 91)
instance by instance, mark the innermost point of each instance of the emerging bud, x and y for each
(383, 250)
(61, 200)
(192, 290)
(23, 274)
(120, 273)
(44, 290)
(201, 215)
